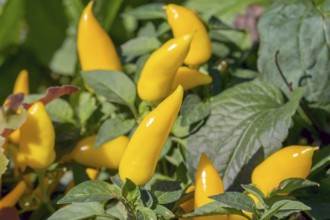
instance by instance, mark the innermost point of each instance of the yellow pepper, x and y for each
(157, 75)
(190, 78)
(207, 183)
(188, 206)
(95, 47)
(92, 173)
(37, 138)
(140, 158)
(13, 196)
(289, 162)
(21, 86)
(184, 21)
(107, 155)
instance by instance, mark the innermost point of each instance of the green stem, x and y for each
(44, 195)
(134, 112)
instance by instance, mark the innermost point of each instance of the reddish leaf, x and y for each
(54, 93)
(9, 213)
(14, 101)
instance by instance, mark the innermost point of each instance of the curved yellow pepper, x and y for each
(13, 196)
(107, 155)
(207, 183)
(140, 158)
(95, 48)
(289, 162)
(37, 138)
(190, 78)
(184, 21)
(157, 75)
(21, 86)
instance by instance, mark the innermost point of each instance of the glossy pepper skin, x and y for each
(13, 196)
(21, 86)
(190, 78)
(289, 162)
(157, 75)
(37, 138)
(207, 183)
(140, 158)
(95, 48)
(184, 21)
(107, 155)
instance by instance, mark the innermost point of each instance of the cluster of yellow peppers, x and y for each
(289, 162)
(136, 159)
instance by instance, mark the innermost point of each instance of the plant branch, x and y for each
(281, 72)
(44, 195)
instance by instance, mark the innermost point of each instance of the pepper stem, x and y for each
(44, 195)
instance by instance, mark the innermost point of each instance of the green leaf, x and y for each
(213, 208)
(107, 11)
(10, 23)
(85, 107)
(256, 192)
(144, 213)
(113, 85)
(300, 31)
(194, 110)
(319, 210)
(147, 12)
(113, 128)
(148, 30)
(225, 10)
(11, 120)
(321, 160)
(131, 192)
(291, 184)
(235, 200)
(59, 110)
(3, 159)
(91, 191)
(247, 123)
(46, 33)
(140, 46)
(178, 129)
(167, 191)
(283, 208)
(76, 211)
(163, 212)
(116, 180)
(65, 58)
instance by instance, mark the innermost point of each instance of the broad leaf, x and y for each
(247, 123)
(91, 191)
(300, 31)
(167, 191)
(289, 185)
(148, 11)
(113, 128)
(131, 192)
(10, 23)
(164, 212)
(115, 86)
(76, 211)
(213, 208)
(235, 200)
(60, 111)
(193, 110)
(144, 213)
(140, 46)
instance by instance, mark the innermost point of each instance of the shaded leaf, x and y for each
(60, 111)
(300, 31)
(167, 191)
(247, 123)
(3, 162)
(148, 11)
(194, 110)
(115, 86)
(144, 213)
(235, 200)
(76, 211)
(140, 46)
(291, 184)
(113, 128)
(131, 192)
(91, 191)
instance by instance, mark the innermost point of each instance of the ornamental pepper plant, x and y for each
(170, 109)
